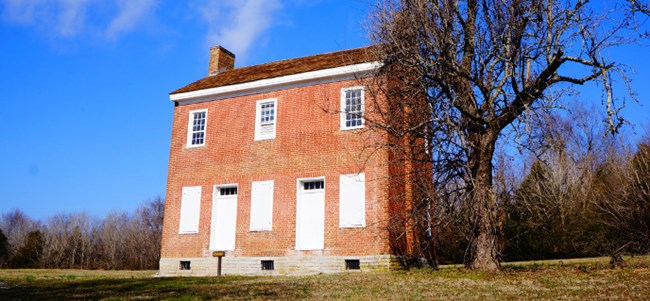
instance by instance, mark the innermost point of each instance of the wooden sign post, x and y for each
(219, 255)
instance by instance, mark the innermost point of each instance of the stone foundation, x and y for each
(298, 265)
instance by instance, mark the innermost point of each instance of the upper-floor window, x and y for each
(267, 113)
(352, 108)
(196, 128)
(265, 119)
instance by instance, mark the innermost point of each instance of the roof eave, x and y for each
(262, 85)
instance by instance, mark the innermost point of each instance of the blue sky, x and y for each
(85, 119)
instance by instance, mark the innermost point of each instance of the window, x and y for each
(267, 265)
(313, 185)
(228, 191)
(265, 119)
(262, 206)
(190, 210)
(267, 113)
(196, 128)
(352, 198)
(352, 264)
(185, 265)
(352, 108)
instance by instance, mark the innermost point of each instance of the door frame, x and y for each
(215, 196)
(299, 192)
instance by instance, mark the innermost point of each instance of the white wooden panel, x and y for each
(190, 210)
(267, 131)
(310, 220)
(261, 206)
(352, 198)
(224, 222)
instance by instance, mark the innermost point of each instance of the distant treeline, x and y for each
(119, 241)
(582, 192)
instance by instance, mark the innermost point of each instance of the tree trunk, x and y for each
(483, 249)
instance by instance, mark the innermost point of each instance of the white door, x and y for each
(310, 215)
(224, 219)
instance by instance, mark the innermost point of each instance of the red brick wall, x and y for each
(308, 143)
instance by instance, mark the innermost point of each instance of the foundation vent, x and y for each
(352, 264)
(185, 265)
(267, 265)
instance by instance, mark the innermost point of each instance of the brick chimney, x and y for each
(220, 60)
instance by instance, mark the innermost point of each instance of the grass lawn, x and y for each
(584, 279)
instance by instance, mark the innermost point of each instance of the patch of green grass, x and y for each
(536, 281)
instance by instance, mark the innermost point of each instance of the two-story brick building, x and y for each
(274, 165)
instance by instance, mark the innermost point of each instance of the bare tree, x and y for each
(17, 226)
(622, 197)
(68, 241)
(56, 237)
(4, 250)
(77, 240)
(144, 233)
(639, 6)
(585, 194)
(112, 235)
(28, 255)
(462, 72)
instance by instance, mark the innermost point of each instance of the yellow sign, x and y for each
(218, 253)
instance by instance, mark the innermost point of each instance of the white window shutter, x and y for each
(352, 200)
(262, 206)
(190, 210)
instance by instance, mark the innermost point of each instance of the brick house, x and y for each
(264, 166)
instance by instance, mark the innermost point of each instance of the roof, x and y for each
(282, 68)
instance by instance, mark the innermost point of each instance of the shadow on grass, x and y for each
(152, 289)
(576, 280)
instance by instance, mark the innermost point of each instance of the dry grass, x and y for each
(34, 274)
(585, 279)
(595, 262)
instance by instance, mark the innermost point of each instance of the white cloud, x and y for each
(131, 12)
(71, 18)
(59, 17)
(19, 11)
(236, 25)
